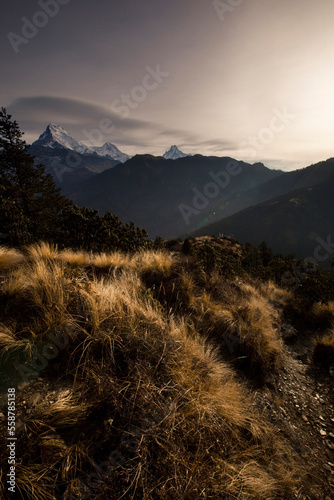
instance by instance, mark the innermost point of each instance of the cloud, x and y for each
(196, 142)
(82, 119)
(78, 115)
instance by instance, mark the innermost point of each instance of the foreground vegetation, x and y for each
(141, 368)
(134, 375)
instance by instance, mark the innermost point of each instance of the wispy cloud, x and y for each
(35, 112)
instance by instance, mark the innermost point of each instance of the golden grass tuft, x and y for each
(139, 385)
(276, 295)
(65, 411)
(153, 261)
(110, 260)
(43, 251)
(78, 258)
(242, 320)
(35, 482)
(10, 258)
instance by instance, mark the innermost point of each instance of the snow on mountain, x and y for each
(111, 151)
(56, 137)
(174, 153)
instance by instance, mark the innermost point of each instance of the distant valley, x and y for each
(179, 195)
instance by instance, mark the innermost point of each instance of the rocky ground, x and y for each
(301, 405)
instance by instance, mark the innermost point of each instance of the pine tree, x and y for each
(32, 208)
(29, 200)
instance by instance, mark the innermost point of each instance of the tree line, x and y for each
(33, 209)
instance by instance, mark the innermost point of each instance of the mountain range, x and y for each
(293, 214)
(171, 197)
(182, 195)
(71, 162)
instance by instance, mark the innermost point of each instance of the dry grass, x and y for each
(143, 261)
(253, 324)
(276, 295)
(242, 319)
(153, 261)
(111, 260)
(10, 258)
(42, 251)
(79, 258)
(138, 404)
(323, 353)
(322, 313)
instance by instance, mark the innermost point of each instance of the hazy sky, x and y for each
(251, 79)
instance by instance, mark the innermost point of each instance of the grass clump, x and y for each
(10, 258)
(136, 397)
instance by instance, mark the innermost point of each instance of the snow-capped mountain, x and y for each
(56, 137)
(109, 150)
(174, 153)
(71, 162)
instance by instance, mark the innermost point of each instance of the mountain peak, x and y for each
(54, 126)
(110, 150)
(174, 153)
(56, 137)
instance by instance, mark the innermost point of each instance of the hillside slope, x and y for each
(70, 168)
(150, 191)
(291, 223)
(290, 181)
(144, 376)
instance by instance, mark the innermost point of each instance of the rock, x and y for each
(323, 432)
(304, 418)
(330, 445)
(283, 411)
(331, 435)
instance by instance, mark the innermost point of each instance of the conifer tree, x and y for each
(33, 209)
(29, 200)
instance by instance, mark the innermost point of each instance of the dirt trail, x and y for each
(300, 405)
